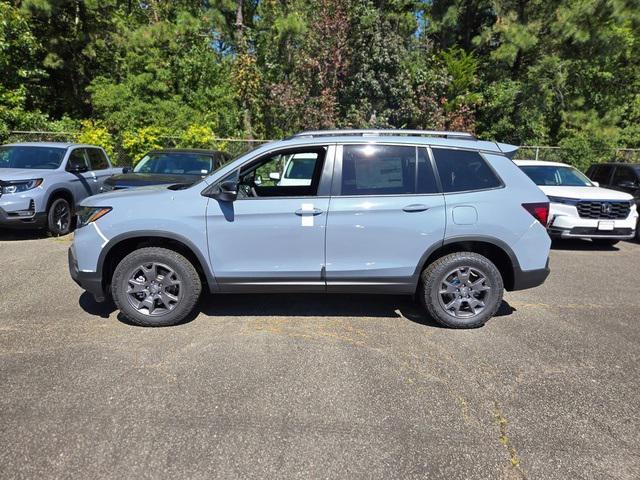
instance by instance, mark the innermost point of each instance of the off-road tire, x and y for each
(53, 226)
(431, 284)
(191, 286)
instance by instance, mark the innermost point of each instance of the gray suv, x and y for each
(41, 183)
(440, 215)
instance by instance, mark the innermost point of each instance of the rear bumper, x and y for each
(524, 279)
(89, 281)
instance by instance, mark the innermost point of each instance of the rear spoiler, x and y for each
(509, 151)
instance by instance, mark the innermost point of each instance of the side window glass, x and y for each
(426, 177)
(601, 174)
(623, 175)
(378, 170)
(284, 174)
(98, 159)
(77, 160)
(463, 170)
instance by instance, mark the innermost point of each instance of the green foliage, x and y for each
(95, 133)
(536, 72)
(138, 142)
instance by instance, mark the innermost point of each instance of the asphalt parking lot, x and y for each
(301, 386)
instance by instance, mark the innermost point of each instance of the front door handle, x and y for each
(314, 212)
(415, 207)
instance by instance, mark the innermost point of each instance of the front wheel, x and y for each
(462, 290)
(59, 217)
(155, 287)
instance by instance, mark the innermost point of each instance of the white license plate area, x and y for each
(606, 226)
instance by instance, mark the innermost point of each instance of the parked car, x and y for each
(579, 207)
(438, 214)
(168, 166)
(624, 177)
(41, 183)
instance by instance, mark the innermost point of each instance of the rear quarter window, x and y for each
(463, 171)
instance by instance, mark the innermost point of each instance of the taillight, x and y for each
(540, 211)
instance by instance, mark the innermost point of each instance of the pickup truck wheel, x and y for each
(155, 287)
(59, 217)
(462, 290)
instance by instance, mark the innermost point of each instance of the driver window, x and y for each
(77, 158)
(291, 173)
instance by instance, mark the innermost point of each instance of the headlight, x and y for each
(563, 200)
(87, 215)
(19, 186)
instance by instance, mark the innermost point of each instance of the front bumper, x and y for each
(566, 223)
(22, 219)
(89, 281)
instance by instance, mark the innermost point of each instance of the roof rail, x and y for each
(373, 133)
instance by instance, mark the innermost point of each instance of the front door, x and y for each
(84, 182)
(273, 235)
(100, 167)
(386, 213)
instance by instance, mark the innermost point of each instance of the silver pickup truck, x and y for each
(41, 183)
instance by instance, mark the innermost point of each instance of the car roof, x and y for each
(47, 144)
(186, 150)
(531, 163)
(472, 144)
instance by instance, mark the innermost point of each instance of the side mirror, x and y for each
(274, 175)
(226, 191)
(127, 169)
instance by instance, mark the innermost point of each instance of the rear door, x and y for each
(386, 212)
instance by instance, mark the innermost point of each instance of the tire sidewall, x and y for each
(51, 226)
(432, 283)
(182, 267)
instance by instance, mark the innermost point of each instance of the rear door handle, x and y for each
(415, 207)
(314, 212)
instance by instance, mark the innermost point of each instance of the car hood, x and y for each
(108, 198)
(10, 174)
(584, 193)
(129, 180)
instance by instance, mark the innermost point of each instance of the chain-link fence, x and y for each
(233, 146)
(237, 146)
(559, 154)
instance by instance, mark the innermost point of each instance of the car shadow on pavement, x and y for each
(296, 305)
(10, 235)
(582, 245)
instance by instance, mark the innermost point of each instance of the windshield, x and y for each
(48, 158)
(176, 164)
(550, 175)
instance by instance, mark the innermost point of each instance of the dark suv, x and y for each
(624, 177)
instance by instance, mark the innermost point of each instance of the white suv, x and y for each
(579, 207)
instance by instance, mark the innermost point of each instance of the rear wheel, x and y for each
(155, 287)
(59, 217)
(605, 242)
(462, 290)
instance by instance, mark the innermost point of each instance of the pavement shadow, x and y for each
(11, 235)
(99, 309)
(296, 305)
(582, 245)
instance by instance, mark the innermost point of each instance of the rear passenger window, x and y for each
(386, 170)
(463, 170)
(98, 159)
